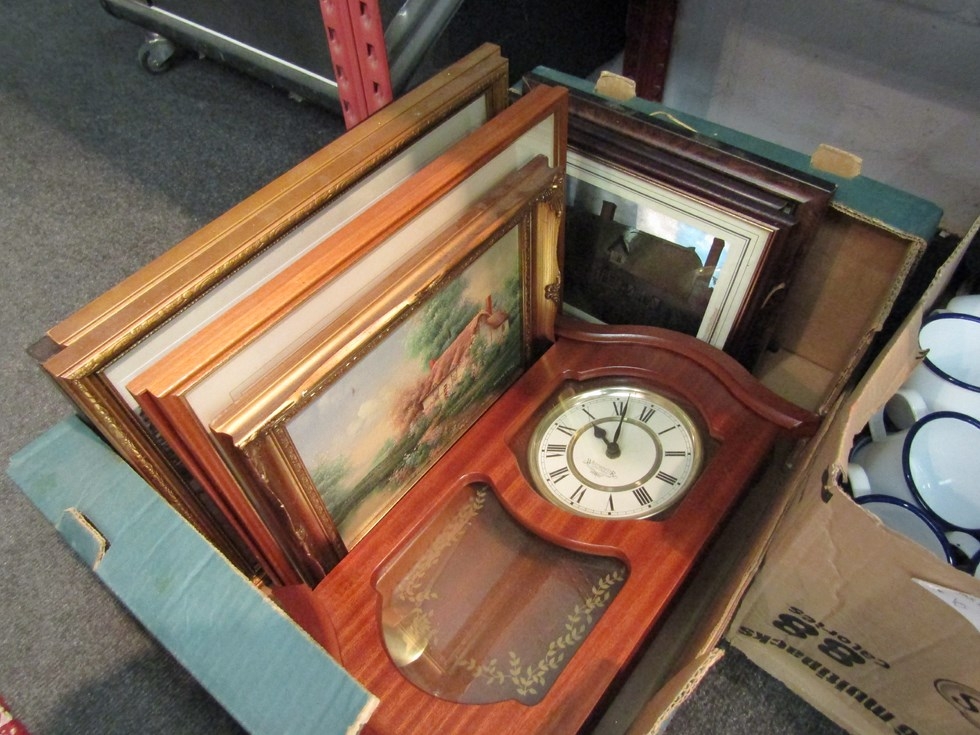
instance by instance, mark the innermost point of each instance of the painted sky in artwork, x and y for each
(352, 418)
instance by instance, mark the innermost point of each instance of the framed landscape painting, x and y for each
(184, 392)
(340, 432)
(405, 401)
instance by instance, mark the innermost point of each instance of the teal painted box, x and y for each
(185, 592)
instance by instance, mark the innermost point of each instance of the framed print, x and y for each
(669, 258)
(341, 429)
(675, 229)
(186, 390)
(93, 354)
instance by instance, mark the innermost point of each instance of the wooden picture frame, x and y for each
(728, 182)
(93, 353)
(186, 391)
(344, 427)
(671, 259)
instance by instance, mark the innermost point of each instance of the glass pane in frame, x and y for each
(476, 609)
(637, 252)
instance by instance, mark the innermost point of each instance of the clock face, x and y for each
(615, 451)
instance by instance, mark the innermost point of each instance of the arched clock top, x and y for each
(725, 369)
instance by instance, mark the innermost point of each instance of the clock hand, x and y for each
(612, 448)
(600, 433)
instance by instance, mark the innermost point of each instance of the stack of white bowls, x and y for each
(921, 475)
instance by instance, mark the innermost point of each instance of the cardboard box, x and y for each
(184, 591)
(867, 626)
(872, 227)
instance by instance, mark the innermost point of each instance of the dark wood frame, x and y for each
(649, 38)
(650, 148)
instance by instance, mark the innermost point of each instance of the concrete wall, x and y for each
(896, 82)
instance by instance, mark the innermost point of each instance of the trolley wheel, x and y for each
(156, 54)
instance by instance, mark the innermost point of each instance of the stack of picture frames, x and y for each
(145, 321)
(672, 228)
(338, 383)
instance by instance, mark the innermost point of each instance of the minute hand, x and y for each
(619, 428)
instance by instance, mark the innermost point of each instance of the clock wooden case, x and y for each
(459, 622)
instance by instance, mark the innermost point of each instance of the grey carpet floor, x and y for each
(103, 167)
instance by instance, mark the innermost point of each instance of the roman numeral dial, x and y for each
(614, 450)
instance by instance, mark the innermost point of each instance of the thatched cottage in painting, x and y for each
(448, 370)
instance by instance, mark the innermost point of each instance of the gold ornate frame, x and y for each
(256, 432)
(81, 352)
(186, 390)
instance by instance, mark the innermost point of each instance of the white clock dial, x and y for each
(615, 451)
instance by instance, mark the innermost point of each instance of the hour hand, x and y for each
(612, 448)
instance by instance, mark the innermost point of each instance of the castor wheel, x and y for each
(157, 54)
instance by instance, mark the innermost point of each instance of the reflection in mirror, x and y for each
(627, 263)
(476, 609)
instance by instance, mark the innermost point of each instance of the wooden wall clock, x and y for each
(511, 587)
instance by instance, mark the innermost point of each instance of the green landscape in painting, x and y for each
(382, 424)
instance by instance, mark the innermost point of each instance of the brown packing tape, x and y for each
(836, 161)
(615, 86)
(620, 88)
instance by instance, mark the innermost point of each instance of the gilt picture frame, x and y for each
(713, 176)
(93, 353)
(184, 392)
(342, 429)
